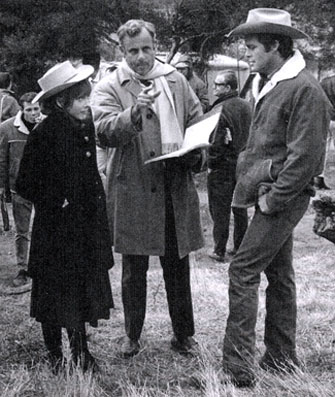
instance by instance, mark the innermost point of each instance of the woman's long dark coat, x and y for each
(70, 250)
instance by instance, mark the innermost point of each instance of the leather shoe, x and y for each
(56, 362)
(281, 364)
(87, 362)
(241, 382)
(239, 377)
(217, 257)
(130, 348)
(183, 345)
(21, 278)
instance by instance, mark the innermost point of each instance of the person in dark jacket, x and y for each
(70, 252)
(227, 141)
(14, 133)
(284, 151)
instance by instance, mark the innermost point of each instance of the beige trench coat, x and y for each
(135, 191)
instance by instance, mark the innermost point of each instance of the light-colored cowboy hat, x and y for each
(181, 65)
(268, 20)
(184, 61)
(61, 76)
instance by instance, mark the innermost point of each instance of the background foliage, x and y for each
(37, 33)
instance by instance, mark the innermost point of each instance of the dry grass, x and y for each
(157, 371)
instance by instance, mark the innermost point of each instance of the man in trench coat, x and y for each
(142, 109)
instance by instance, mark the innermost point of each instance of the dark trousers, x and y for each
(220, 186)
(21, 213)
(176, 273)
(267, 246)
(52, 335)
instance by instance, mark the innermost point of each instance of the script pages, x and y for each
(196, 135)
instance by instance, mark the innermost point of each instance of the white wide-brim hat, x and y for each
(61, 76)
(268, 20)
(181, 65)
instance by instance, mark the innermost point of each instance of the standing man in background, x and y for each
(184, 65)
(142, 109)
(285, 150)
(8, 104)
(227, 141)
(13, 136)
(8, 108)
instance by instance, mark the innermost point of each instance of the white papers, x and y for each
(196, 135)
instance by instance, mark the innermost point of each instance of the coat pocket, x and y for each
(249, 176)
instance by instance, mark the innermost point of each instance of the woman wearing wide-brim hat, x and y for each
(70, 250)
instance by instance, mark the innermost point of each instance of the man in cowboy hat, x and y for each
(285, 150)
(142, 109)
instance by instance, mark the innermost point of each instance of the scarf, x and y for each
(164, 107)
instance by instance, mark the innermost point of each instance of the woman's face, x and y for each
(80, 108)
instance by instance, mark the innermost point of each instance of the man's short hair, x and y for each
(133, 27)
(285, 47)
(229, 78)
(5, 79)
(27, 97)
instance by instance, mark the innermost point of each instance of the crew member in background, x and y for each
(8, 104)
(328, 84)
(227, 141)
(13, 136)
(184, 65)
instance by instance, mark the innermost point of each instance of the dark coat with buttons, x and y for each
(135, 191)
(70, 250)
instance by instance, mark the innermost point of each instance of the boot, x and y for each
(53, 341)
(80, 353)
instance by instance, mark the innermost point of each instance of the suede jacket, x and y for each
(287, 140)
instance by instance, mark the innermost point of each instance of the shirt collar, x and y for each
(290, 69)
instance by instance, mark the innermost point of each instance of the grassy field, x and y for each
(157, 371)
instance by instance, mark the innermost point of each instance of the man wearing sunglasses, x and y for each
(228, 139)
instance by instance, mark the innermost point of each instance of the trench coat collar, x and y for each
(291, 68)
(134, 88)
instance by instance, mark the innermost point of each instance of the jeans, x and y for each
(220, 186)
(22, 210)
(267, 246)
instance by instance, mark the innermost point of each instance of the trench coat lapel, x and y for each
(172, 84)
(133, 87)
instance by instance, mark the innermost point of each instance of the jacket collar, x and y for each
(19, 124)
(291, 68)
(222, 98)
